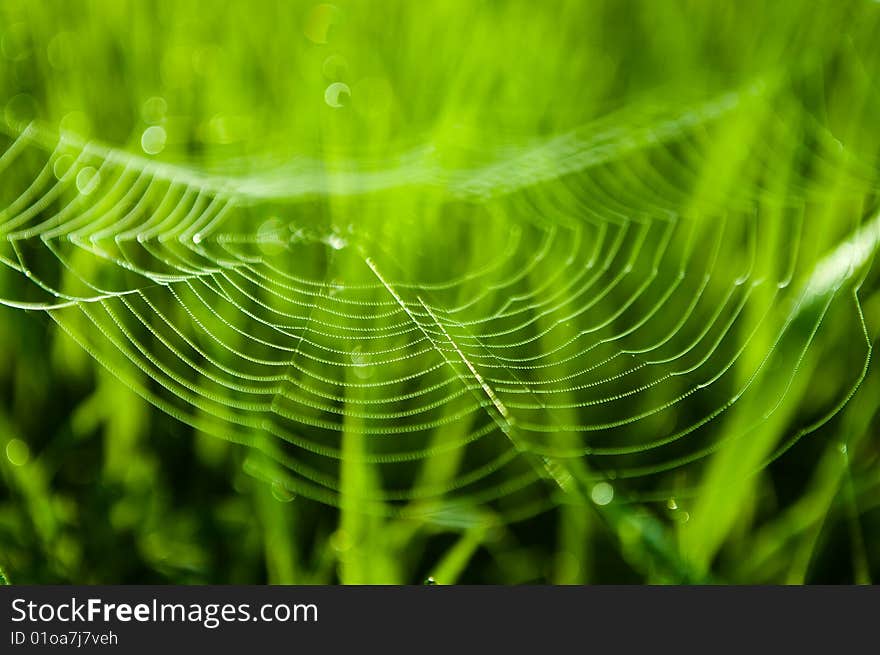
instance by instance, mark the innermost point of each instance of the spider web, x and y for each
(589, 309)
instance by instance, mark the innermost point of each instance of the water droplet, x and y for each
(197, 237)
(60, 50)
(334, 68)
(430, 581)
(319, 22)
(154, 109)
(20, 109)
(153, 139)
(62, 165)
(15, 43)
(334, 288)
(671, 504)
(842, 448)
(336, 242)
(337, 95)
(87, 180)
(17, 452)
(602, 493)
(269, 236)
(363, 368)
(281, 493)
(76, 122)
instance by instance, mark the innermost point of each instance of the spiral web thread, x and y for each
(618, 302)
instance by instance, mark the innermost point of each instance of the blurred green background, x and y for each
(418, 137)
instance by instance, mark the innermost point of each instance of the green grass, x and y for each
(487, 292)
